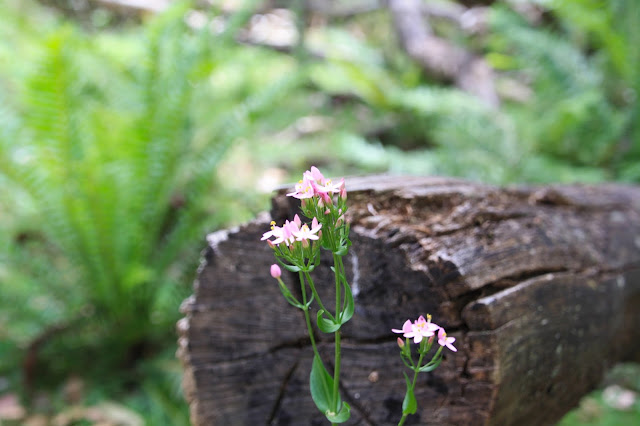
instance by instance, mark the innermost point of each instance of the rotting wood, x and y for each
(539, 285)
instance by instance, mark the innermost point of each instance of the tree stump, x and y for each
(539, 285)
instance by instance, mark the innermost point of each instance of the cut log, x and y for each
(539, 285)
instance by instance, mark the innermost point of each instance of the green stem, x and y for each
(413, 385)
(315, 293)
(337, 264)
(337, 261)
(306, 315)
(336, 373)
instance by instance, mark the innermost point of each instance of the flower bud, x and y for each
(275, 271)
(343, 190)
(400, 343)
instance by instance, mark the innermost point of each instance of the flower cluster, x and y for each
(324, 203)
(314, 184)
(422, 328)
(423, 333)
(292, 231)
(297, 246)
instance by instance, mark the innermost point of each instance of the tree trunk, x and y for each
(539, 285)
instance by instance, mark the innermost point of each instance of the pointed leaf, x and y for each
(349, 308)
(321, 385)
(430, 366)
(409, 405)
(326, 325)
(292, 268)
(342, 250)
(290, 297)
(342, 416)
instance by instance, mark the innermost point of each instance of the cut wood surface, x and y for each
(539, 285)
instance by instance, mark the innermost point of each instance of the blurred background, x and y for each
(130, 128)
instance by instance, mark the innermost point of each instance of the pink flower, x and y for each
(304, 233)
(326, 187)
(407, 328)
(314, 174)
(303, 189)
(288, 232)
(443, 340)
(314, 184)
(275, 271)
(276, 232)
(422, 328)
(418, 330)
(284, 234)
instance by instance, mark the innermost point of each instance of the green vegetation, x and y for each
(122, 145)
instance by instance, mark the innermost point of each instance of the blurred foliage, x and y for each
(109, 148)
(618, 404)
(121, 146)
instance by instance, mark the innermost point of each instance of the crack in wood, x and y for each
(281, 392)
(355, 405)
(562, 260)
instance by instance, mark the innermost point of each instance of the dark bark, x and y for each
(539, 285)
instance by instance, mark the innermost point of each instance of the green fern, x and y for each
(571, 117)
(109, 154)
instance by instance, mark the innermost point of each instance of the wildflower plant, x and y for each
(296, 246)
(423, 333)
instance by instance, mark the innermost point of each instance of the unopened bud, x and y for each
(400, 343)
(275, 271)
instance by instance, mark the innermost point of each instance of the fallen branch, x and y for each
(441, 58)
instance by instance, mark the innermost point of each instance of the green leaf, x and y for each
(321, 384)
(292, 268)
(342, 416)
(326, 325)
(409, 405)
(290, 298)
(342, 250)
(349, 308)
(430, 366)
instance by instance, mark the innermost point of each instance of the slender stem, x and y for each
(336, 373)
(413, 385)
(337, 273)
(315, 293)
(306, 315)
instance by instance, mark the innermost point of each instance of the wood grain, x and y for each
(539, 285)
